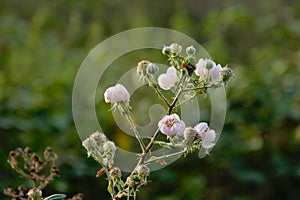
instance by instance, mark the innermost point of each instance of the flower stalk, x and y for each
(183, 77)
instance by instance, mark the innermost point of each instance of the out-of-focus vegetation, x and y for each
(43, 43)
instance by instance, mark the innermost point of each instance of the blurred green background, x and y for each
(42, 44)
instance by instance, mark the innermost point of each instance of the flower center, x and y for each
(170, 122)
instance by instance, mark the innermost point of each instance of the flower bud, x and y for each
(99, 137)
(210, 64)
(133, 181)
(189, 134)
(175, 49)
(143, 170)
(35, 194)
(226, 74)
(115, 173)
(152, 68)
(190, 51)
(109, 146)
(142, 67)
(166, 50)
(89, 144)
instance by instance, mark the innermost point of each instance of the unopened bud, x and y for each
(190, 51)
(152, 68)
(166, 50)
(210, 64)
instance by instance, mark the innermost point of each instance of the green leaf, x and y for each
(110, 189)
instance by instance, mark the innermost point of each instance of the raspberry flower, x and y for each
(206, 67)
(171, 125)
(117, 93)
(168, 80)
(207, 135)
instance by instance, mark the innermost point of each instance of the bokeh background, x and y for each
(42, 44)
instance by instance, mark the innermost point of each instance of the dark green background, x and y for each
(42, 44)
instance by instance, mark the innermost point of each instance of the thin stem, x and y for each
(157, 90)
(110, 182)
(177, 92)
(165, 156)
(195, 88)
(135, 131)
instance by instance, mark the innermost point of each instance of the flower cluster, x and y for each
(100, 148)
(185, 77)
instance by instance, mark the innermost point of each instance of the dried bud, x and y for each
(55, 170)
(89, 144)
(109, 146)
(133, 181)
(189, 134)
(226, 74)
(36, 158)
(115, 173)
(12, 154)
(190, 51)
(99, 137)
(142, 67)
(27, 150)
(35, 194)
(143, 170)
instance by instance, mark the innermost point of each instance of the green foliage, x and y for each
(43, 43)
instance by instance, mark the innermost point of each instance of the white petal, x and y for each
(168, 80)
(215, 72)
(201, 69)
(209, 139)
(107, 94)
(201, 128)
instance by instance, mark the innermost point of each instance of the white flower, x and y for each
(206, 67)
(171, 125)
(168, 80)
(115, 94)
(214, 72)
(207, 135)
(201, 68)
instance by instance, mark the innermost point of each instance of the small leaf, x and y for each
(110, 189)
